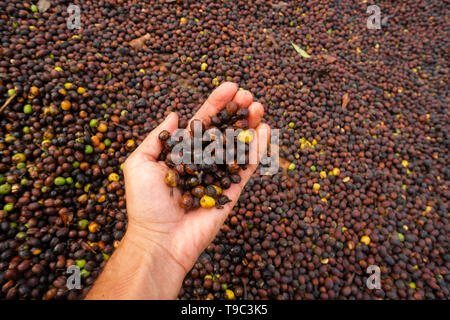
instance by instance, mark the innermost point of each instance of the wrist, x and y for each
(161, 276)
(140, 269)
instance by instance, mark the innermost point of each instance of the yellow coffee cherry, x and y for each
(245, 136)
(323, 174)
(229, 294)
(19, 157)
(316, 186)
(129, 145)
(218, 190)
(405, 163)
(336, 172)
(365, 240)
(113, 177)
(171, 178)
(207, 202)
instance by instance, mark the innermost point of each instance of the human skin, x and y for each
(162, 241)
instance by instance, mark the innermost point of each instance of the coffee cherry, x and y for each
(235, 178)
(215, 121)
(192, 181)
(207, 202)
(164, 135)
(171, 178)
(213, 191)
(242, 113)
(198, 191)
(225, 182)
(245, 136)
(224, 116)
(182, 123)
(241, 124)
(223, 200)
(186, 201)
(231, 108)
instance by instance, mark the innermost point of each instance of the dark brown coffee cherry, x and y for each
(186, 201)
(242, 113)
(192, 181)
(198, 191)
(164, 135)
(235, 178)
(231, 108)
(225, 182)
(223, 199)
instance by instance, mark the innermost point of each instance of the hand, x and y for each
(158, 228)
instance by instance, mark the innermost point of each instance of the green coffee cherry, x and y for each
(20, 235)
(82, 224)
(20, 165)
(84, 273)
(59, 181)
(5, 189)
(27, 109)
(93, 123)
(8, 207)
(80, 263)
(107, 142)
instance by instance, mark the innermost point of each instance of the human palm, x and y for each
(154, 214)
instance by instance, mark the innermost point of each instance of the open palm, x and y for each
(154, 214)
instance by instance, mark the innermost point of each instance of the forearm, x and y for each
(138, 270)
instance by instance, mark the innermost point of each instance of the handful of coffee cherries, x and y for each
(199, 165)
